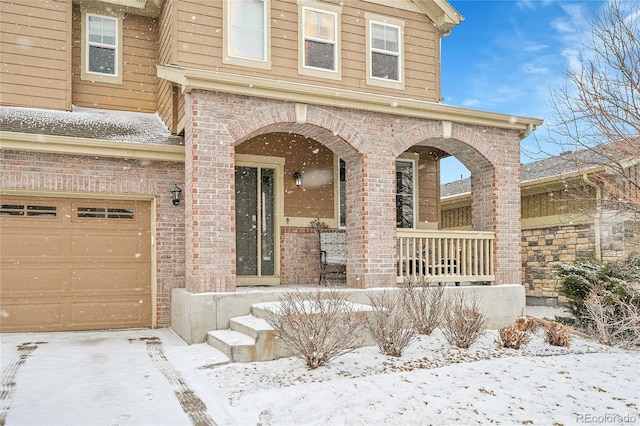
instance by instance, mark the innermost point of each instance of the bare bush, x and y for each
(463, 323)
(389, 324)
(318, 326)
(613, 320)
(424, 302)
(557, 334)
(517, 335)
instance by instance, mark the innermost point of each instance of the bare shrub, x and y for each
(389, 324)
(613, 320)
(557, 334)
(424, 302)
(318, 326)
(517, 335)
(463, 323)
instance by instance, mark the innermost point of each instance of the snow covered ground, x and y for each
(141, 377)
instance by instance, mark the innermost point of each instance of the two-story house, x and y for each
(157, 153)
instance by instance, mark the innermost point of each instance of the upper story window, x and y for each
(247, 33)
(384, 52)
(102, 48)
(320, 42)
(102, 37)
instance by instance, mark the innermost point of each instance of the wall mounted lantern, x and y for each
(298, 178)
(175, 195)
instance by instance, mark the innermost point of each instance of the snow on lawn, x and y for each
(432, 383)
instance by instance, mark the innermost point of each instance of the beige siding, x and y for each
(167, 104)
(139, 86)
(36, 54)
(199, 45)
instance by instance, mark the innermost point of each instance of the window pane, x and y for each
(319, 55)
(384, 66)
(246, 30)
(102, 60)
(102, 30)
(384, 38)
(319, 25)
(404, 194)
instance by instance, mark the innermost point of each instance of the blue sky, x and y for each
(506, 55)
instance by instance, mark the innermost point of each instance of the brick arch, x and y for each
(317, 123)
(471, 147)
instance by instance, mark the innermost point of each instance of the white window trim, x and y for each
(414, 169)
(85, 74)
(247, 62)
(388, 22)
(320, 72)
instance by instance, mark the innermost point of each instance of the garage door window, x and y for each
(106, 213)
(28, 210)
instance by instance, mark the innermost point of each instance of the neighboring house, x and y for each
(566, 214)
(266, 115)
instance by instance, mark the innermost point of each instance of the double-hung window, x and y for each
(247, 33)
(384, 52)
(320, 47)
(102, 48)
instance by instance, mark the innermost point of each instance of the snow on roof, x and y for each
(89, 123)
(563, 164)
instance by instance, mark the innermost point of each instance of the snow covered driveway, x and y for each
(101, 378)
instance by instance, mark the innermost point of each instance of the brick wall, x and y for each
(300, 251)
(75, 175)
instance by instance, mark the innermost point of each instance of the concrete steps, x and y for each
(250, 338)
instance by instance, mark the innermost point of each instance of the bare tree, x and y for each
(599, 108)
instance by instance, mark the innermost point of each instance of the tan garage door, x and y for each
(74, 264)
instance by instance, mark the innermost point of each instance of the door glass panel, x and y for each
(246, 221)
(267, 231)
(255, 221)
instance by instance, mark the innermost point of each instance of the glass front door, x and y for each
(255, 221)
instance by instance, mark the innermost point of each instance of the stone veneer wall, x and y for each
(544, 248)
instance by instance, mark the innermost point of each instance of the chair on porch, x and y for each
(333, 256)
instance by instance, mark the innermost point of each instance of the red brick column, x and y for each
(371, 236)
(495, 205)
(209, 199)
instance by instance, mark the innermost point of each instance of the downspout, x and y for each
(596, 221)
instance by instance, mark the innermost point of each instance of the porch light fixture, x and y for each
(298, 178)
(175, 195)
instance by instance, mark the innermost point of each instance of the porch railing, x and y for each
(446, 256)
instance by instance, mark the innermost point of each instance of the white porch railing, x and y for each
(446, 256)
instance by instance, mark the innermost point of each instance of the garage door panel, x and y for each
(25, 316)
(35, 281)
(74, 264)
(110, 314)
(24, 245)
(104, 281)
(107, 246)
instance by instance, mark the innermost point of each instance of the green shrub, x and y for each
(579, 279)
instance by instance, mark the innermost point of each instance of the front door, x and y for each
(256, 222)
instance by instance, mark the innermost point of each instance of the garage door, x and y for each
(74, 264)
